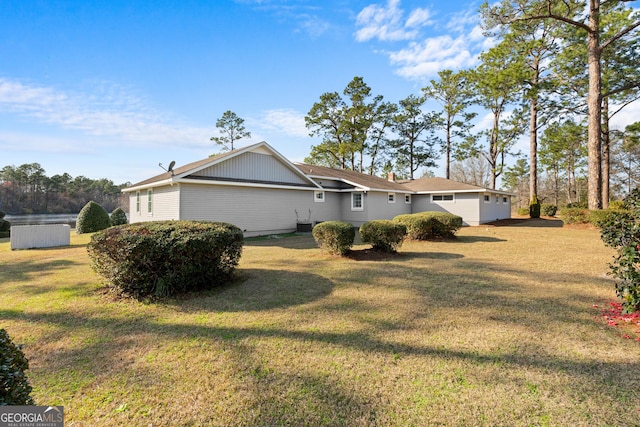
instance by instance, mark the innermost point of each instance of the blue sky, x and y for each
(111, 88)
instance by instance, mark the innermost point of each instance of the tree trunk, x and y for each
(594, 104)
(448, 167)
(606, 160)
(533, 150)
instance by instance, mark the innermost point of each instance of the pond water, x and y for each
(41, 219)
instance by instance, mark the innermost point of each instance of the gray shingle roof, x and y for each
(360, 179)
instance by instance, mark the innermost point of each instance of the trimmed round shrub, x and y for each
(547, 209)
(522, 211)
(384, 235)
(118, 217)
(14, 386)
(575, 216)
(334, 236)
(534, 207)
(429, 225)
(92, 218)
(163, 258)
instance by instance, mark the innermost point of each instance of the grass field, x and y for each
(494, 329)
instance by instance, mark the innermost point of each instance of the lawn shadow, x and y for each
(257, 290)
(23, 271)
(527, 222)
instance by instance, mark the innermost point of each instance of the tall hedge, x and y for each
(14, 386)
(162, 258)
(620, 229)
(429, 225)
(383, 235)
(92, 218)
(335, 236)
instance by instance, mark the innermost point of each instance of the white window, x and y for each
(442, 197)
(391, 197)
(137, 202)
(357, 202)
(505, 200)
(487, 198)
(497, 199)
(150, 202)
(407, 199)
(318, 196)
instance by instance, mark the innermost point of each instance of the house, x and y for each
(261, 192)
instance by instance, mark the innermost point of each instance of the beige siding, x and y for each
(257, 211)
(464, 205)
(253, 167)
(165, 205)
(380, 208)
(494, 209)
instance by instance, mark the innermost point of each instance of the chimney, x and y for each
(391, 177)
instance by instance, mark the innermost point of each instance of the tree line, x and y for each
(27, 189)
(559, 71)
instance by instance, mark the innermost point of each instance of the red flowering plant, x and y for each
(613, 314)
(620, 229)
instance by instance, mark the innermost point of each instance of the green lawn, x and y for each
(494, 329)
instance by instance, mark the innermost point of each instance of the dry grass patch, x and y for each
(495, 328)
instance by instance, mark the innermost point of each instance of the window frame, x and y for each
(150, 201)
(391, 197)
(353, 199)
(407, 199)
(138, 205)
(443, 198)
(318, 196)
(486, 198)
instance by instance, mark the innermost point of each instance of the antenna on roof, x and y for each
(170, 169)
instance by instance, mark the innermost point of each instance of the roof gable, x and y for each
(258, 163)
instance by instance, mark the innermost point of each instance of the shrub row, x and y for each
(14, 386)
(162, 258)
(586, 216)
(384, 235)
(427, 225)
(546, 209)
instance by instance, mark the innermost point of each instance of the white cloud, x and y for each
(387, 23)
(426, 58)
(285, 121)
(457, 48)
(107, 111)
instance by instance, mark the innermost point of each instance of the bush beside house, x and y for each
(383, 235)
(429, 225)
(118, 217)
(92, 218)
(165, 258)
(334, 236)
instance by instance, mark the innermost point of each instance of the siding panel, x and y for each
(253, 166)
(257, 211)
